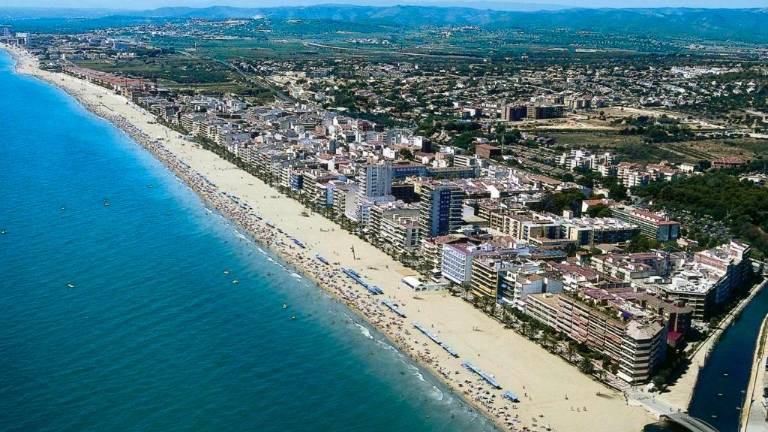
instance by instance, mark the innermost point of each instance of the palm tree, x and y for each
(493, 306)
(507, 315)
(569, 350)
(475, 300)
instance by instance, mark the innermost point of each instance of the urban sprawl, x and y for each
(467, 213)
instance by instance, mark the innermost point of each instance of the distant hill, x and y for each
(746, 25)
(742, 25)
(16, 13)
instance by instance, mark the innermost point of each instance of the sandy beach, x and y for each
(554, 395)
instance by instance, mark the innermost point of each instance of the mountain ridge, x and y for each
(741, 25)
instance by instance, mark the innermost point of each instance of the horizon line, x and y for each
(486, 5)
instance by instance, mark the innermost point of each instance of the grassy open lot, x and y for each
(591, 139)
(169, 68)
(633, 148)
(746, 148)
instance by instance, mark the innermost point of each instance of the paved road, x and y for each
(757, 415)
(757, 418)
(650, 402)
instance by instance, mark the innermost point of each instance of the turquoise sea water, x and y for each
(153, 336)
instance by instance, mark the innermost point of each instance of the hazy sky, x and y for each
(150, 4)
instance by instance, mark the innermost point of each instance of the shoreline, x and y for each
(229, 210)
(250, 204)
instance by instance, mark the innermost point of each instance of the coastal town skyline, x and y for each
(509, 220)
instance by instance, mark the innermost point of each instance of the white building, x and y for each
(457, 261)
(376, 180)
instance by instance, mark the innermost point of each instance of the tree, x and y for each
(586, 366)
(557, 202)
(659, 381)
(599, 210)
(587, 177)
(616, 190)
(406, 154)
(721, 196)
(607, 364)
(641, 243)
(569, 350)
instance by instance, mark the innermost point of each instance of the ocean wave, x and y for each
(437, 393)
(364, 331)
(420, 376)
(388, 346)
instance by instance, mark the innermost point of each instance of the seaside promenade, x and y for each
(679, 395)
(754, 415)
(553, 394)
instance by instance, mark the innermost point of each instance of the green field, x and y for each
(633, 148)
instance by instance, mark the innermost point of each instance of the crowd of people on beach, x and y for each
(329, 276)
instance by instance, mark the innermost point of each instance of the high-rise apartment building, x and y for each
(376, 180)
(440, 209)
